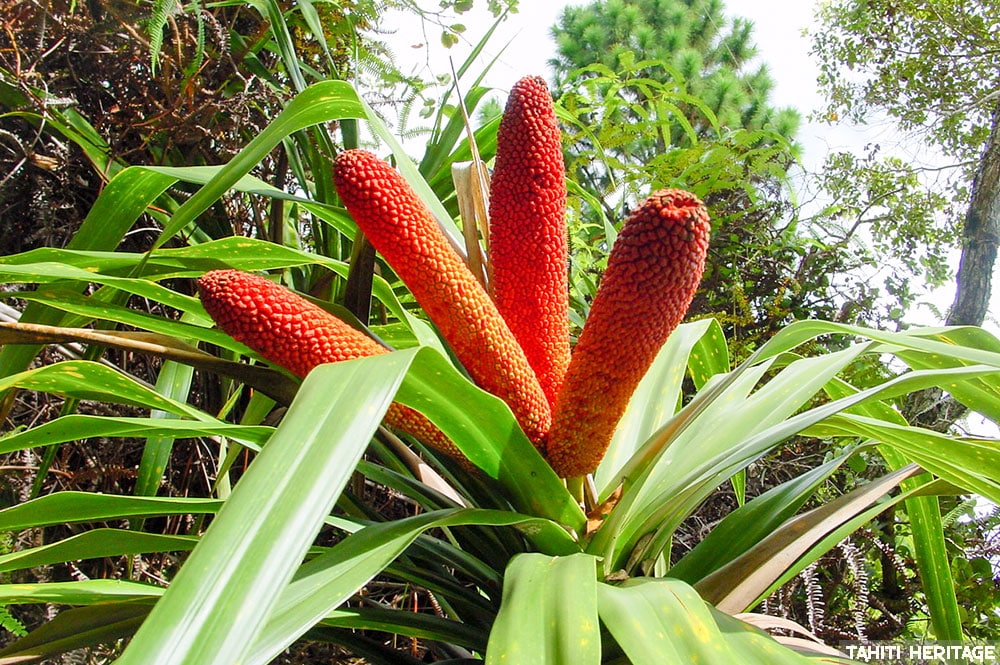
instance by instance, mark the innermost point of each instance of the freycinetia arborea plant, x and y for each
(515, 345)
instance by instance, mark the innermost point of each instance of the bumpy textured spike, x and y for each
(404, 231)
(288, 330)
(528, 244)
(653, 272)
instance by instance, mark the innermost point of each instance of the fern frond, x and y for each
(855, 560)
(10, 623)
(963, 509)
(162, 9)
(815, 605)
(199, 51)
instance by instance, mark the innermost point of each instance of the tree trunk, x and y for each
(932, 408)
(980, 237)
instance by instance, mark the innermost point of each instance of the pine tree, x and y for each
(707, 56)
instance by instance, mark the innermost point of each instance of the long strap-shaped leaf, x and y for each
(672, 496)
(82, 379)
(484, 428)
(70, 507)
(94, 544)
(319, 587)
(551, 608)
(230, 587)
(121, 202)
(737, 585)
(549, 612)
(665, 621)
(752, 522)
(78, 426)
(929, 547)
(700, 345)
(322, 102)
(225, 592)
(322, 584)
(268, 381)
(45, 266)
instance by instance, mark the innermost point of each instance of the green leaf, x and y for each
(725, 427)
(322, 102)
(77, 629)
(484, 428)
(665, 621)
(87, 592)
(968, 463)
(223, 595)
(844, 530)
(924, 513)
(120, 203)
(90, 308)
(95, 544)
(76, 426)
(934, 564)
(709, 355)
(315, 25)
(173, 381)
(715, 438)
(69, 507)
(737, 585)
(127, 196)
(249, 254)
(750, 523)
(549, 612)
(278, 384)
(981, 395)
(47, 272)
(282, 41)
(927, 340)
(408, 624)
(89, 380)
(323, 583)
(657, 396)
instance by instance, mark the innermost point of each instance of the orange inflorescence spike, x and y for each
(652, 275)
(405, 232)
(528, 244)
(288, 330)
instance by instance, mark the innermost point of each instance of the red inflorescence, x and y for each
(653, 272)
(405, 232)
(528, 243)
(288, 330)
(282, 326)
